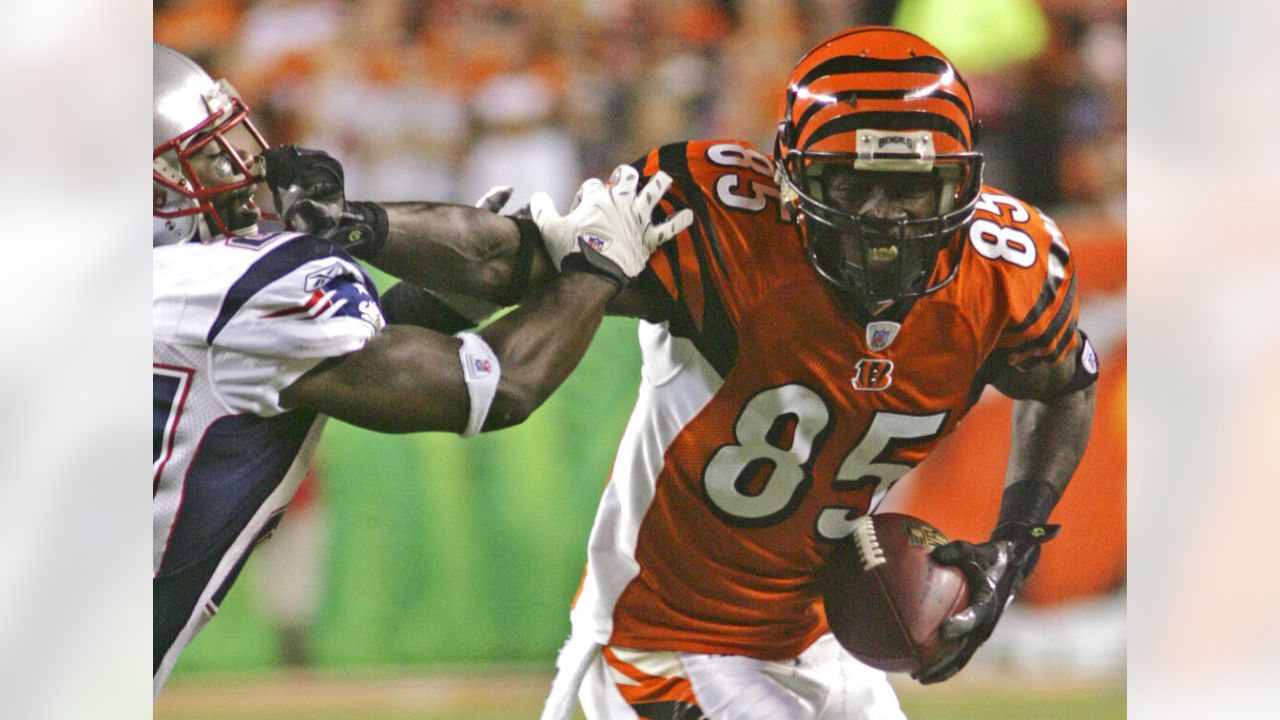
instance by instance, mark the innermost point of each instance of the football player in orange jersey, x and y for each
(830, 315)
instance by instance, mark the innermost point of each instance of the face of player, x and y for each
(215, 166)
(883, 196)
(877, 254)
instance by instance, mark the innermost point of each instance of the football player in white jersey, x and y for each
(258, 336)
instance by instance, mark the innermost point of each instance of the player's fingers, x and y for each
(668, 229)
(624, 179)
(953, 553)
(591, 185)
(542, 208)
(495, 198)
(649, 197)
(960, 624)
(941, 669)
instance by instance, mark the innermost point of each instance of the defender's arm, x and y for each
(408, 379)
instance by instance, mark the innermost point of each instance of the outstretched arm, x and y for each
(444, 247)
(408, 379)
(462, 249)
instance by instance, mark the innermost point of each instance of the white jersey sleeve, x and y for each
(265, 314)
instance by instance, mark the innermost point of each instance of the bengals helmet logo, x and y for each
(873, 374)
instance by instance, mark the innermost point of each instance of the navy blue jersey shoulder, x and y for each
(277, 263)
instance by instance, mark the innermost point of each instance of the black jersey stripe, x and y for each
(278, 262)
(1047, 294)
(852, 97)
(673, 159)
(1059, 250)
(905, 120)
(1063, 342)
(846, 64)
(713, 333)
(1065, 312)
(717, 340)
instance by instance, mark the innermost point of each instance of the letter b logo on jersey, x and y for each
(871, 374)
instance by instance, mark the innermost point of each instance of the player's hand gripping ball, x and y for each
(886, 598)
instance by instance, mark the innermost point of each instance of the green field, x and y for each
(431, 695)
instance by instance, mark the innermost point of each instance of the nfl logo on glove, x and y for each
(596, 242)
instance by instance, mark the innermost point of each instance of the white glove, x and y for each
(497, 197)
(610, 223)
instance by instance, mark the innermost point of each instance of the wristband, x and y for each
(368, 245)
(590, 261)
(522, 267)
(1025, 505)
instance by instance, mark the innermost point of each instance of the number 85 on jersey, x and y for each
(761, 479)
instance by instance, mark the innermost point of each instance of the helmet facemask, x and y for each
(875, 227)
(209, 172)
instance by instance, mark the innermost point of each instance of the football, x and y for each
(885, 598)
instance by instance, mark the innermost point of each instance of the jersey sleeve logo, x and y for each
(873, 374)
(320, 278)
(350, 299)
(1089, 358)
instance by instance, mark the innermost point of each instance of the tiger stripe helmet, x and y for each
(877, 100)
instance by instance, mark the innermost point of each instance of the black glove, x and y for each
(308, 189)
(995, 570)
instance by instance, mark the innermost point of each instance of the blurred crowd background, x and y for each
(431, 550)
(442, 99)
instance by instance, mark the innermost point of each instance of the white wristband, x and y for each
(480, 370)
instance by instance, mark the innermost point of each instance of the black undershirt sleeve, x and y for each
(409, 304)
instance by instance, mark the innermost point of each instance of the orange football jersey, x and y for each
(769, 417)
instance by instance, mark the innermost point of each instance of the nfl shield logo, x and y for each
(596, 242)
(477, 366)
(880, 334)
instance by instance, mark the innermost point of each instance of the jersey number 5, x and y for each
(727, 186)
(729, 478)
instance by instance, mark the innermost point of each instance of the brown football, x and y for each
(885, 597)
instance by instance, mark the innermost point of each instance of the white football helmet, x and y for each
(191, 112)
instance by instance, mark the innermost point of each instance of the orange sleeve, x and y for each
(1043, 302)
